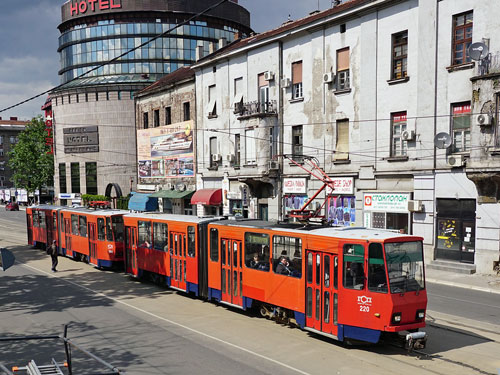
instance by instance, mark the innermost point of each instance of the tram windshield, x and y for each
(405, 266)
(118, 228)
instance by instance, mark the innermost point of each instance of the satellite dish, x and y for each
(442, 140)
(478, 51)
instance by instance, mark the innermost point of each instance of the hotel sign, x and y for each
(84, 6)
(81, 140)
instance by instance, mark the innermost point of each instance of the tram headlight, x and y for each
(420, 314)
(396, 318)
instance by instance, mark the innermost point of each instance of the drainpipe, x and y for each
(281, 133)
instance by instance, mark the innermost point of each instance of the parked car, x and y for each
(12, 206)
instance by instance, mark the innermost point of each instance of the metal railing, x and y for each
(490, 64)
(256, 108)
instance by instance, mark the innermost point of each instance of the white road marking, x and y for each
(170, 321)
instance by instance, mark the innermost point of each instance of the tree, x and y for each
(30, 160)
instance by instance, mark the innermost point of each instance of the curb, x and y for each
(460, 285)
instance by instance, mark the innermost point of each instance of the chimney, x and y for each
(13, 119)
(199, 53)
(336, 2)
(238, 35)
(211, 47)
(222, 42)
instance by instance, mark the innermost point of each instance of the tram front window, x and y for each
(405, 266)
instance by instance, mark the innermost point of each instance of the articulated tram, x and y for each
(350, 284)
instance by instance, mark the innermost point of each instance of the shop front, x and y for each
(387, 211)
(294, 195)
(341, 202)
(208, 201)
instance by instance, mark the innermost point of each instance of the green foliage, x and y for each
(122, 203)
(32, 165)
(90, 197)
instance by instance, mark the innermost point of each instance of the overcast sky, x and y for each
(29, 61)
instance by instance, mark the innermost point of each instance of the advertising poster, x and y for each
(341, 210)
(166, 151)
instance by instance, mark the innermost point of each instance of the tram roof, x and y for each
(99, 212)
(173, 217)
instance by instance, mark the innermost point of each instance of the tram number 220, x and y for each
(364, 308)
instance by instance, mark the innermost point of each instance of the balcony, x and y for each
(487, 66)
(255, 109)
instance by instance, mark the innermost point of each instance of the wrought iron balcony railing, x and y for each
(255, 108)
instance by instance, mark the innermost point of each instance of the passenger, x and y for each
(52, 251)
(255, 262)
(283, 267)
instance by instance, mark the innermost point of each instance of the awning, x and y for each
(208, 197)
(142, 202)
(172, 194)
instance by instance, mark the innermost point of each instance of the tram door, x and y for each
(321, 292)
(67, 230)
(231, 271)
(131, 251)
(178, 260)
(92, 243)
(29, 222)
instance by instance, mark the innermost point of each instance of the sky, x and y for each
(29, 61)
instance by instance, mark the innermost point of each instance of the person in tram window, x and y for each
(283, 267)
(255, 262)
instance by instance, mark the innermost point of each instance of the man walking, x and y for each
(52, 251)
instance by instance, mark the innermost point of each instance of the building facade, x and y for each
(385, 97)
(9, 136)
(93, 115)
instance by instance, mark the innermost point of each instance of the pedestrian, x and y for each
(52, 251)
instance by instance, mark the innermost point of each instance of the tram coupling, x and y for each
(415, 340)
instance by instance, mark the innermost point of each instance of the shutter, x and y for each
(343, 59)
(297, 72)
(262, 81)
(342, 149)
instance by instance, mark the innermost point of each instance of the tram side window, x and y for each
(214, 245)
(118, 228)
(61, 221)
(160, 236)
(42, 219)
(83, 226)
(377, 281)
(109, 232)
(74, 224)
(36, 222)
(100, 229)
(54, 220)
(353, 267)
(191, 246)
(257, 251)
(144, 234)
(291, 249)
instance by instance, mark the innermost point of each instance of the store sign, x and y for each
(342, 185)
(391, 202)
(82, 6)
(66, 196)
(81, 139)
(294, 186)
(49, 140)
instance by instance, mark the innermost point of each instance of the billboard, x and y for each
(166, 151)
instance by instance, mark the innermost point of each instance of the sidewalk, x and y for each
(483, 283)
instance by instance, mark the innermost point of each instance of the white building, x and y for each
(364, 88)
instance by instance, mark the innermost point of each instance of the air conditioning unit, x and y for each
(273, 165)
(230, 158)
(415, 206)
(408, 135)
(483, 119)
(268, 76)
(216, 157)
(286, 82)
(455, 161)
(328, 77)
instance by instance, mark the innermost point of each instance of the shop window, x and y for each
(83, 226)
(293, 202)
(109, 231)
(118, 228)
(289, 248)
(377, 280)
(168, 115)
(297, 89)
(399, 147)
(156, 118)
(160, 236)
(460, 125)
(353, 267)
(462, 38)
(187, 111)
(343, 72)
(101, 233)
(342, 144)
(214, 245)
(257, 251)
(341, 210)
(74, 225)
(399, 55)
(191, 242)
(250, 151)
(297, 145)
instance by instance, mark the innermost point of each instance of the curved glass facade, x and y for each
(85, 47)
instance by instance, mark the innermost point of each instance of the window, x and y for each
(263, 93)
(353, 270)
(191, 242)
(63, 186)
(83, 226)
(109, 231)
(118, 228)
(460, 126)
(101, 233)
(399, 55)
(297, 149)
(96, 96)
(291, 249)
(144, 234)
(462, 38)
(91, 177)
(342, 146)
(399, 147)
(145, 120)
(212, 102)
(168, 115)
(343, 76)
(186, 107)
(107, 95)
(1, 151)
(250, 151)
(1, 139)
(156, 119)
(75, 177)
(86, 97)
(160, 233)
(74, 225)
(237, 150)
(214, 245)
(377, 280)
(257, 251)
(119, 95)
(213, 151)
(297, 92)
